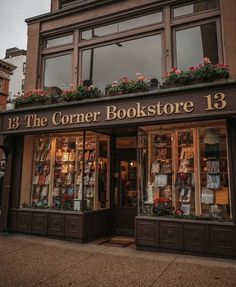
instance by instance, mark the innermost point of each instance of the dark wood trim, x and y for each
(231, 135)
(6, 192)
(16, 174)
(186, 236)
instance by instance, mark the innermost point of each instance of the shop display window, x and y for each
(70, 172)
(187, 171)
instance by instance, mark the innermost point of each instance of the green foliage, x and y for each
(124, 86)
(205, 72)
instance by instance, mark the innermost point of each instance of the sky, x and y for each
(13, 29)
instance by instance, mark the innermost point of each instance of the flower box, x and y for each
(203, 73)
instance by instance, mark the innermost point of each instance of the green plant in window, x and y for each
(80, 93)
(162, 207)
(205, 72)
(34, 97)
(125, 86)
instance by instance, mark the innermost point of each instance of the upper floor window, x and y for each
(122, 26)
(24, 68)
(195, 43)
(58, 41)
(22, 85)
(199, 6)
(57, 71)
(103, 65)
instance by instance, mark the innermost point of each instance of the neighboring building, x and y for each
(6, 70)
(17, 58)
(122, 164)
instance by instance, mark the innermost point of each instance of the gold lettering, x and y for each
(159, 109)
(56, 119)
(220, 101)
(44, 122)
(151, 111)
(141, 111)
(65, 120)
(89, 117)
(131, 113)
(169, 109)
(177, 107)
(188, 107)
(111, 113)
(28, 119)
(13, 123)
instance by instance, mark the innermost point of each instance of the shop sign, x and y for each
(118, 113)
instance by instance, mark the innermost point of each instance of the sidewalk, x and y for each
(35, 261)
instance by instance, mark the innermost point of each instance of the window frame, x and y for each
(194, 13)
(121, 19)
(101, 43)
(196, 24)
(55, 55)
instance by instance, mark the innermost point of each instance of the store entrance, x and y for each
(125, 191)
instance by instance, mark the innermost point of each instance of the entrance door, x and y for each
(125, 191)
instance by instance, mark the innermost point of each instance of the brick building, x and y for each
(159, 165)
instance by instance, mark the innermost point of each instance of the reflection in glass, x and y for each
(122, 59)
(128, 183)
(193, 44)
(215, 189)
(195, 8)
(122, 26)
(59, 41)
(58, 72)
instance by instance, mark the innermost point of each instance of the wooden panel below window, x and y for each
(73, 226)
(222, 240)
(147, 233)
(171, 235)
(56, 224)
(24, 221)
(89, 226)
(103, 222)
(196, 238)
(12, 223)
(39, 223)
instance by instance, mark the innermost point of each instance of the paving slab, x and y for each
(42, 262)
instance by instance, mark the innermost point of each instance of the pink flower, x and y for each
(114, 84)
(141, 78)
(173, 70)
(206, 61)
(178, 71)
(124, 80)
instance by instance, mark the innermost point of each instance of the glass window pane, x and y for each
(58, 72)
(122, 26)
(193, 44)
(195, 8)
(141, 21)
(128, 183)
(122, 59)
(59, 41)
(215, 195)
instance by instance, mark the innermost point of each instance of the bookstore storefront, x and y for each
(63, 177)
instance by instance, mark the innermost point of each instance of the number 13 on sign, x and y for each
(216, 102)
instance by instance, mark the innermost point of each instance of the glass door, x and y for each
(125, 191)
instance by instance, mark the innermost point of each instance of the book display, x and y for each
(184, 177)
(214, 173)
(41, 172)
(88, 154)
(64, 173)
(161, 167)
(68, 175)
(187, 172)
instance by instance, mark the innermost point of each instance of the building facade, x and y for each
(17, 58)
(158, 164)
